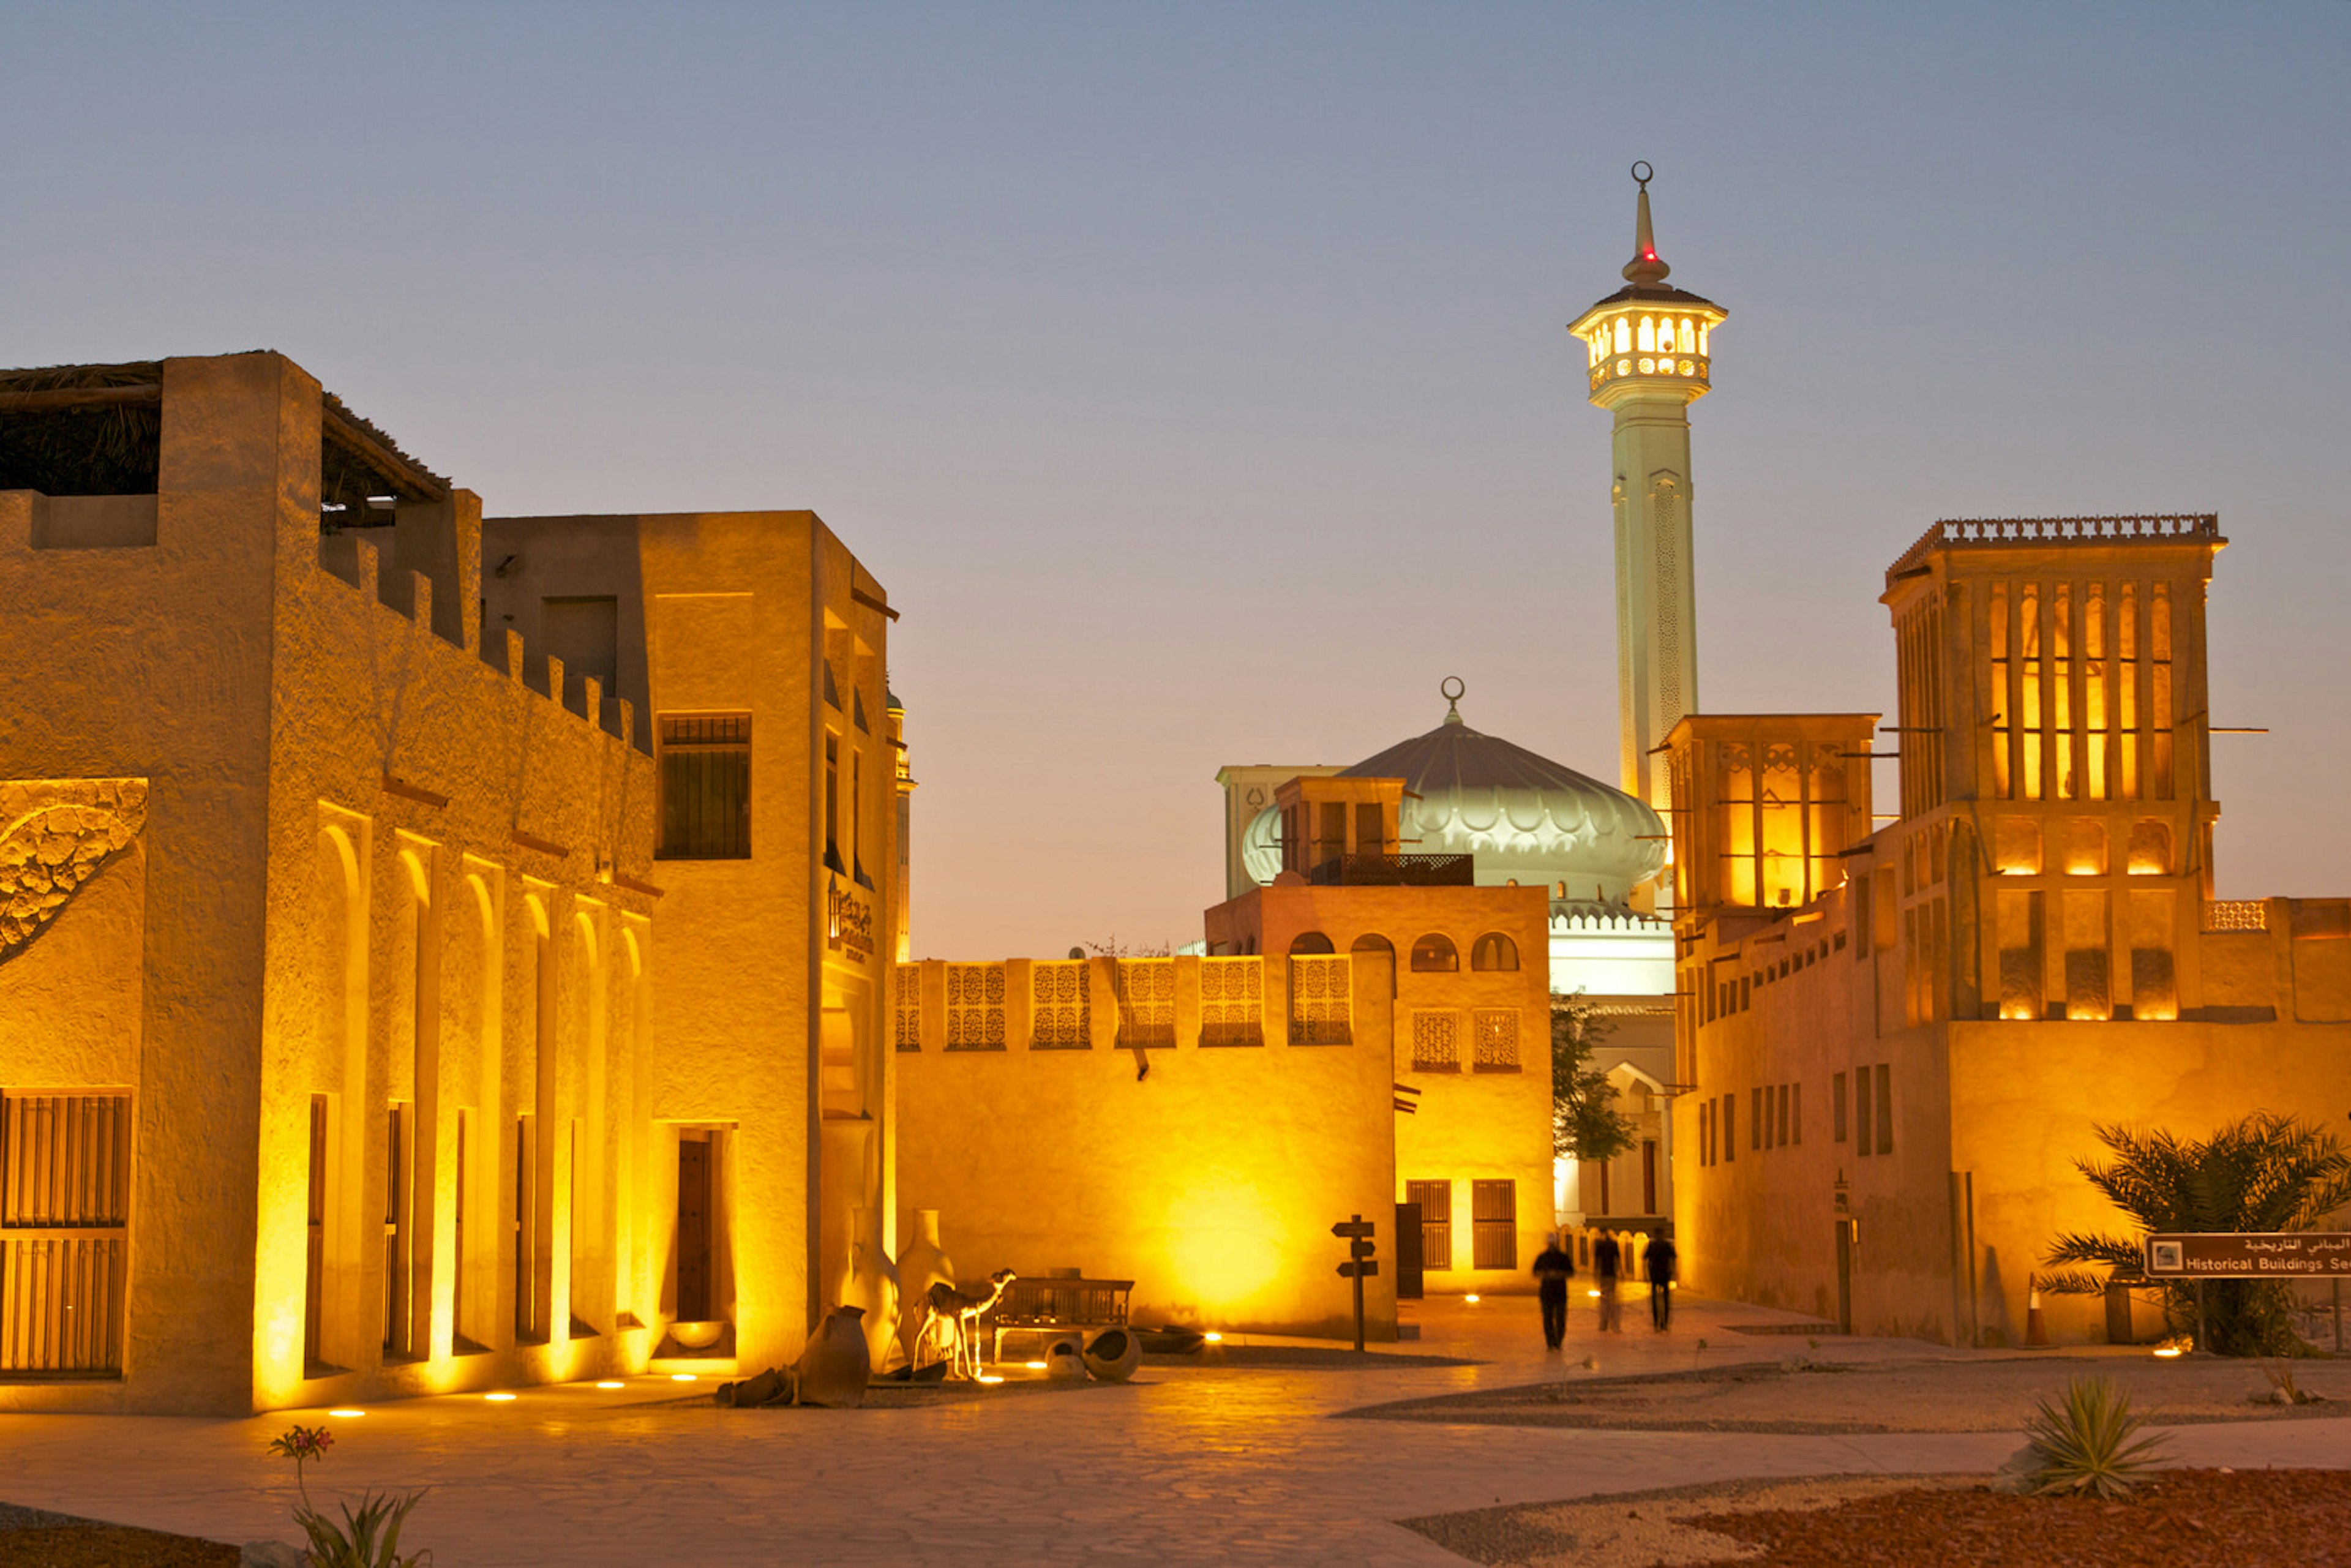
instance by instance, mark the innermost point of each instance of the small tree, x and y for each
(2266, 1173)
(1585, 1122)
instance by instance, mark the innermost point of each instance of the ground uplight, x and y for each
(991, 1377)
(346, 1413)
(1213, 1337)
(1593, 1294)
(1034, 1365)
(681, 1377)
(612, 1383)
(501, 1397)
(1472, 1300)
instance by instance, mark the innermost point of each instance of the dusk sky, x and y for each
(1194, 377)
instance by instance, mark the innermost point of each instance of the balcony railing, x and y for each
(1395, 870)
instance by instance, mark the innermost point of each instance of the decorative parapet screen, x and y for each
(1321, 993)
(1232, 1001)
(906, 1007)
(1060, 1012)
(1496, 1031)
(1435, 1041)
(1145, 988)
(975, 1006)
(2236, 915)
(65, 1205)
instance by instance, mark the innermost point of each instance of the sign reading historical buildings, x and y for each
(2300, 1254)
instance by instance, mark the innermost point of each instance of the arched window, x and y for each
(1494, 951)
(1689, 336)
(1701, 337)
(1648, 335)
(1435, 955)
(1623, 336)
(1307, 942)
(1372, 941)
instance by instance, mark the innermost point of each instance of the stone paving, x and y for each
(1203, 1463)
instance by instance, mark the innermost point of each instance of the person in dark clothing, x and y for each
(1605, 1258)
(1659, 1258)
(1553, 1270)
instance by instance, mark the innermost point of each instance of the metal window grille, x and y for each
(1321, 1000)
(1494, 1224)
(1060, 1007)
(975, 1006)
(1436, 1200)
(1145, 989)
(1232, 1001)
(65, 1201)
(1436, 1041)
(906, 1009)
(706, 788)
(1496, 1031)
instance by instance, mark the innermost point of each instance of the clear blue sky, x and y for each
(1194, 376)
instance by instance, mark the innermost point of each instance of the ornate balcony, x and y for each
(1395, 870)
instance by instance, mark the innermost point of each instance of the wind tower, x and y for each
(1648, 345)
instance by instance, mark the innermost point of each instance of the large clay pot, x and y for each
(922, 1263)
(1112, 1355)
(873, 1285)
(834, 1368)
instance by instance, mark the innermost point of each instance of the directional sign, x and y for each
(1359, 1249)
(1364, 1270)
(2243, 1255)
(1352, 1228)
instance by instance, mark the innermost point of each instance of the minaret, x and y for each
(1648, 346)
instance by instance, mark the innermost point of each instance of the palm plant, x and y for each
(2265, 1172)
(2089, 1443)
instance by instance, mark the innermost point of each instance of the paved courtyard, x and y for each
(1206, 1464)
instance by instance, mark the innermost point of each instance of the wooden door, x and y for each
(694, 1232)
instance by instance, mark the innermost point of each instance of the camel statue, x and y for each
(950, 1310)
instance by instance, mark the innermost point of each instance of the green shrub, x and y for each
(2088, 1444)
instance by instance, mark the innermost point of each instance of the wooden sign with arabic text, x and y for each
(2281, 1255)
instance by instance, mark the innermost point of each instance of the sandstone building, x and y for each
(330, 1066)
(1899, 1039)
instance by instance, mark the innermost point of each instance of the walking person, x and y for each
(1605, 1259)
(1553, 1270)
(1658, 1258)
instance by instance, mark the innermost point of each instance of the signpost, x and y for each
(1360, 1264)
(2279, 1255)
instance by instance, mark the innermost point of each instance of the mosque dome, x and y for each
(1525, 818)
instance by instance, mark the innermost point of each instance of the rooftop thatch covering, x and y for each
(61, 445)
(97, 430)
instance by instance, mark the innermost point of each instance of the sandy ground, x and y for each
(1240, 1462)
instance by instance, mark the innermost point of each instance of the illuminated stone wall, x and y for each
(1209, 1174)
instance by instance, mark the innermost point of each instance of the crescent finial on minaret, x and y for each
(1645, 267)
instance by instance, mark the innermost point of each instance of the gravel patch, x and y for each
(1637, 1530)
(35, 1538)
(1803, 1396)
